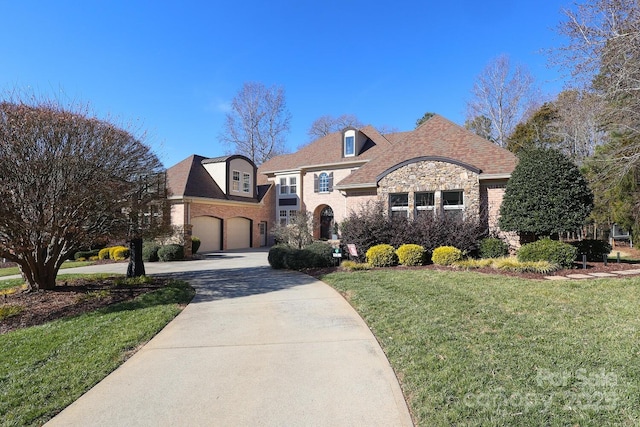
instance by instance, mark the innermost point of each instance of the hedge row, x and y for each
(314, 255)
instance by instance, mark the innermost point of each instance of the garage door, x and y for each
(238, 233)
(207, 229)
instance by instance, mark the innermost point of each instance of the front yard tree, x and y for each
(546, 195)
(66, 180)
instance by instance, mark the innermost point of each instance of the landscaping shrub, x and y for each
(371, 226)
(513, 264)
(553, 251)
(446, 255)
(150, 252)
(297, 259)
(277, 255)
(492, 247)
(410, 254)
(469, 264)
(119, 253)
(113, 250)
(321, 255)
(172, 252)
(354, 266)
(103, 253)
(382, 256)
(86, 254)
(195, 244)
(595, 250)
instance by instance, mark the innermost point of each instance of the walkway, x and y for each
(256, 347)
(596, 275)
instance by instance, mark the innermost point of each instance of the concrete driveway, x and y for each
(256, 347)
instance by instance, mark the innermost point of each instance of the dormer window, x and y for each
(349, 146)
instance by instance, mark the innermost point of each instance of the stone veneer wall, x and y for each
(435, 176)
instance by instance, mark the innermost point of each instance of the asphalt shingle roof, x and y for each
(437, 137)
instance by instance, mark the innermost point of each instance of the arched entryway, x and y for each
(324, 217)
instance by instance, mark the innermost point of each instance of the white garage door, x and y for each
(207, 229)
(238, 233)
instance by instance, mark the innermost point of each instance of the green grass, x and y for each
(472, 349)
(10, 271)
(45, 368)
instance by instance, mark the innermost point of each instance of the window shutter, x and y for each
(315, 183)
(331, 181)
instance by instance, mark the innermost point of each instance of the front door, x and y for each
(326, 223)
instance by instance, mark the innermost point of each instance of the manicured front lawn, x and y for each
(10, 271)
(473, 349)
(45, 368)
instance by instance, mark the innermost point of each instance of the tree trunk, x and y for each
(136, 266)
(38, 276)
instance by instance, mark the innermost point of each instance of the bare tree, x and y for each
(327, 124)
(258, 122)
(603, 54)
(503, 95)
(67, 179)
(577, 124)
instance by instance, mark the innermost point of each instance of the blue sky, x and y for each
(172, 68)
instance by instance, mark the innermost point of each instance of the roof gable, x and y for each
(436, 138)
(189, 178)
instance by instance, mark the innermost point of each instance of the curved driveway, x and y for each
(255, 347)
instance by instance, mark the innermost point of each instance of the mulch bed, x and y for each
(70, 299)
(592, 267)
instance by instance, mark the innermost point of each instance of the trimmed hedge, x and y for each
(86, 254)
(595, 250)
(150, 252)
(382, 256)
(173, 252)
(103, 253)
(410, 254)
(446, 255)
(546, 249)
(119, 253)
(195, 244)
(277, 255)
(492, 247)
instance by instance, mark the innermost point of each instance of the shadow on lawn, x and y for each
(220, 284)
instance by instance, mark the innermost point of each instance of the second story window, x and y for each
(293, 185)
(323, 183)
(236, 181)
(283, 186)
(246, 182)
(349, 146)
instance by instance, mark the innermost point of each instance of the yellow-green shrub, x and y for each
(119, 253)
(410, 254)
(382, 256)
(446, 255)
(104, 253)
(469, 264)
(354, 266)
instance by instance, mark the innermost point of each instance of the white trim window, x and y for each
(293, 185)
(246, 182)
(349, 146)
(284, 189)
(453, 204)
(323, 183)
(235, 186)
(399, 205)
(284, 217)
(425, 203)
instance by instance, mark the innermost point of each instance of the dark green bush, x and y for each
(595, 250)
(150, 252)
(321, 255)
(195, 244)
(171, 252)
(492, 247)
(553, 251)
(86, 254)
(277, 255)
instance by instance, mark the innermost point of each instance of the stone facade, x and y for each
(436, 177)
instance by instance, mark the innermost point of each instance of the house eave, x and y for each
(357, 186)
(490, 176)
(209, 201)
(319, 166)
